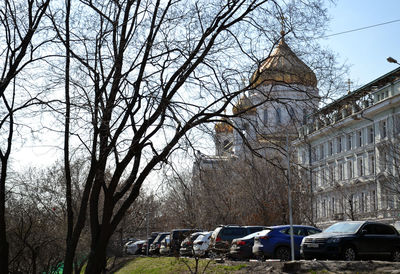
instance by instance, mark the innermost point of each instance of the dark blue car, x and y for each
(274, 242)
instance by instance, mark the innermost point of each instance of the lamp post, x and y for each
(392, 60)
(289, 199)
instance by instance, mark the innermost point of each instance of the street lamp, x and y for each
(392, 60)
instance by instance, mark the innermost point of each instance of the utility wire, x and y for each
(353, 30)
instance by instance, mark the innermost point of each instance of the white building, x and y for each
(350, 151)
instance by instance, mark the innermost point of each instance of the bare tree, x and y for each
(143, 75)
(19, 21)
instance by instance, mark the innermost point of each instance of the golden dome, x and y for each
(223, 126)
(244, 105)
(283, 66)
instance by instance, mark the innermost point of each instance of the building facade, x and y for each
(348, 152)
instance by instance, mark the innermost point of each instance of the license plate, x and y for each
(312, 245)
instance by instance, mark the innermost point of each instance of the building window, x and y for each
(371, 159)
(349, 141)
(323, 179)
(324, 208)
(339, 144)
(278, 116)
(383, 127)
(350, 168)
(370, 135)
(321, 152)
(265, 114)
(330, 148)
(360, 166)
(314, 177)
(313, 154)
(331, 174)
(341, 171)
(359, 138)
(397, 124)
(333, 206)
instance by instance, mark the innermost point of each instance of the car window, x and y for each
(370, 229)
(255, 229)
(312, 231)
(297, 231)
(384, 229)
(284, 231)
(234, 231)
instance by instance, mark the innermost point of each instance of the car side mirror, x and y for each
(363, 232)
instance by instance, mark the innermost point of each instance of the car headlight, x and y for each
(333, 240)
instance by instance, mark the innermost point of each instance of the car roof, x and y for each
(287, 226)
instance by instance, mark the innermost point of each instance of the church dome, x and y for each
(223, 126)
(283, 66)
(244, 105)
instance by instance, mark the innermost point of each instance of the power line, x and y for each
(353, 30)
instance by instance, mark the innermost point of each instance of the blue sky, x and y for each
(365, 50)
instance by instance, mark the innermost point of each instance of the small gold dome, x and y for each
(283, 66)
(244, 105)
(223, 126)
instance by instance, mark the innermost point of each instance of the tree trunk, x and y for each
(4, 247)
(97, 257)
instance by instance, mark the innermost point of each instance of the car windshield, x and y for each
(343, 227)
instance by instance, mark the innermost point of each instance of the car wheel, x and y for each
(282, 253)
(212, 255)
(349, 253)
(396, 255)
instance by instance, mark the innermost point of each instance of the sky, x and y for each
(365, 50)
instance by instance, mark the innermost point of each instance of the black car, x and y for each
(222, 237)
(187, 244)
(241, 248)
(176, 238)
(146, 245)
(156, 244)
(353, 240)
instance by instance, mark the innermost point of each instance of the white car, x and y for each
(200, 245)
(133, 248)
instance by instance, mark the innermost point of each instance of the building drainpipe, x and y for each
(311, 184)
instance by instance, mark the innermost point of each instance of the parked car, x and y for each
(200, 245)
(155, 245)
(274, 242)
(146, 245)
(177, 236)
(222, 237)
(165, 246)
(353, 240)
(134, 247)
(187, 244)
(242, 248)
